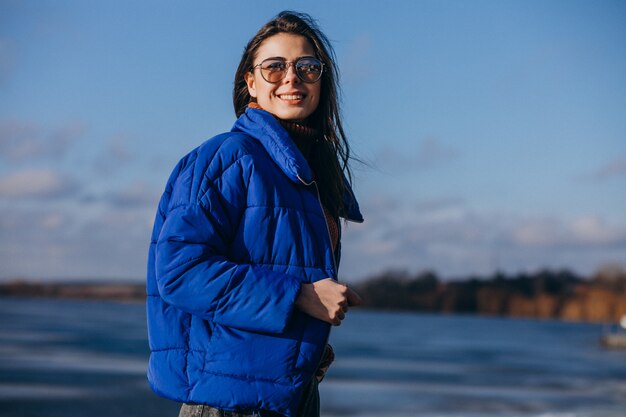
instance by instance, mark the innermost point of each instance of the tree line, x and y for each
(542, 294)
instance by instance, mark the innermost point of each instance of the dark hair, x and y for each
(330, 155)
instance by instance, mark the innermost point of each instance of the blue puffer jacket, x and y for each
(238, 229)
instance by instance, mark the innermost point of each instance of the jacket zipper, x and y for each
(330, 239)
(330, 242)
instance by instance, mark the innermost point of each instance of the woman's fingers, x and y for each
(327, 300)
(354, 299)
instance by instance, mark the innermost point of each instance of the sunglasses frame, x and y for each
(288, 63)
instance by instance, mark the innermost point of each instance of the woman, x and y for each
(243, 259)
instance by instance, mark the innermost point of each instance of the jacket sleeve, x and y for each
(194, 274)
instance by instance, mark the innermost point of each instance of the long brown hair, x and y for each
(330, 155)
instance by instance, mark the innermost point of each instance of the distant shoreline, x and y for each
(115, 291)
(546, 295)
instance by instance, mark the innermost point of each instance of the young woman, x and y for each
(244, 253)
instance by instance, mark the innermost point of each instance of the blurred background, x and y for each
(493, 131)
(492, 136)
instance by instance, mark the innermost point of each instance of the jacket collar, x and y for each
(264, 127)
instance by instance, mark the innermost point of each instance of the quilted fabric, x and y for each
(238, 229)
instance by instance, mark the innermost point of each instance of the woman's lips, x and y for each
(292, 97)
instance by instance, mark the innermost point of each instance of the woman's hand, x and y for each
(327, 300)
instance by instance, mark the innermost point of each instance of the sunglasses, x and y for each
(308, 69)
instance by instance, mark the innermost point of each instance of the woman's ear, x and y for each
(251, 83)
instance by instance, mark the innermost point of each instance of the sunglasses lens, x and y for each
(309, 69)
(273, 70)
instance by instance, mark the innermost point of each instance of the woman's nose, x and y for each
(291, 75)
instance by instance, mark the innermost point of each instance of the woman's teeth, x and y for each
(291, 96)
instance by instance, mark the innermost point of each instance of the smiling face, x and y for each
(289, 98)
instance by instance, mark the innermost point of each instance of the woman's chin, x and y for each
(292, 115)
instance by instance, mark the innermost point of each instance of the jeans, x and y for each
(310, 407)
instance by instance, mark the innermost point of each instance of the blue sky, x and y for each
(493, 132)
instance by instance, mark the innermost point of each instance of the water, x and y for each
(69, 358)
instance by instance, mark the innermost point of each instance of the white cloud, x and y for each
(613, 168)
(110, 239)
(447, 236)
(115, 156)
(137, 194)
(432, 151)
(580, 231)
(36, 183)
(26, 141)
(52, 221)
(26, 224)
(71, 243)
(594, 230)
